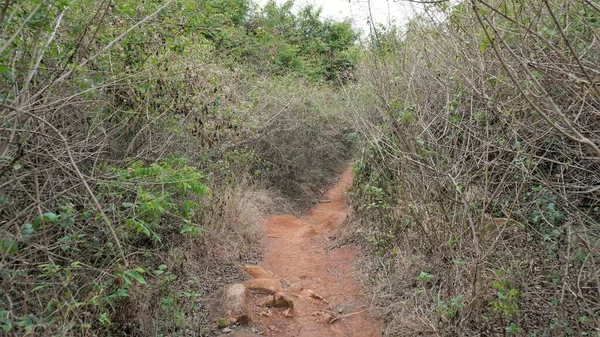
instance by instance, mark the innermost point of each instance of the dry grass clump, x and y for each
(203, 266)
(303, 136)
(236, 232)
(482, 160)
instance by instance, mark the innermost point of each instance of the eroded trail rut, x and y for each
(299, 251)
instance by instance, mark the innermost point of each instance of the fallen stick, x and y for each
(335, 318)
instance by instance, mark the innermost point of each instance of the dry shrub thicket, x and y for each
(137, 163)
(478, 190)
(307, 139)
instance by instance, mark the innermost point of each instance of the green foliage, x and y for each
(424, 277)
(9, 246)
(507, 302)
(375, 195)
(149, 199)
(135, 274)
(371, 191)
(512, 329)
(159, 186)
(402, 114)
(305, 43)
(545, 213)
(449, 308)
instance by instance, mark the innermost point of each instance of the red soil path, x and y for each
(299, 251)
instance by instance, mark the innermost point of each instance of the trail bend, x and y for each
(299, 251)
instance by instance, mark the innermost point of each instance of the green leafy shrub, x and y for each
(507, 301)
(158, 188)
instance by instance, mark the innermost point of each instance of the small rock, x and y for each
(278, 300)
(325, 318)
(232, 305)
(266, 301)
(226, 330)
(265, 285)
(282, 300)
(295, 288)
(257, 271)
(314, 295)
(266, 313)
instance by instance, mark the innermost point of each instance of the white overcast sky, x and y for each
(358, 10)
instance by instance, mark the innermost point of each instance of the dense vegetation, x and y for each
(477, 192)
(140, 145)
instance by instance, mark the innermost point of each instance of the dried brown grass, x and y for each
(482, 165)
(204, 266)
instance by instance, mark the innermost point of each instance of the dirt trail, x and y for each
(299, 251)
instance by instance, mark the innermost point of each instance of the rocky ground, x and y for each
(305, 286)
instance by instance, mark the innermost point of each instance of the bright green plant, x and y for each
(546, 208)
(512, 329)
(159, 186)
(376, 195)
(450, 307)
(424, 277)
(507, 300)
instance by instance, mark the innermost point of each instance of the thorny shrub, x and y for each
(481, 169)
